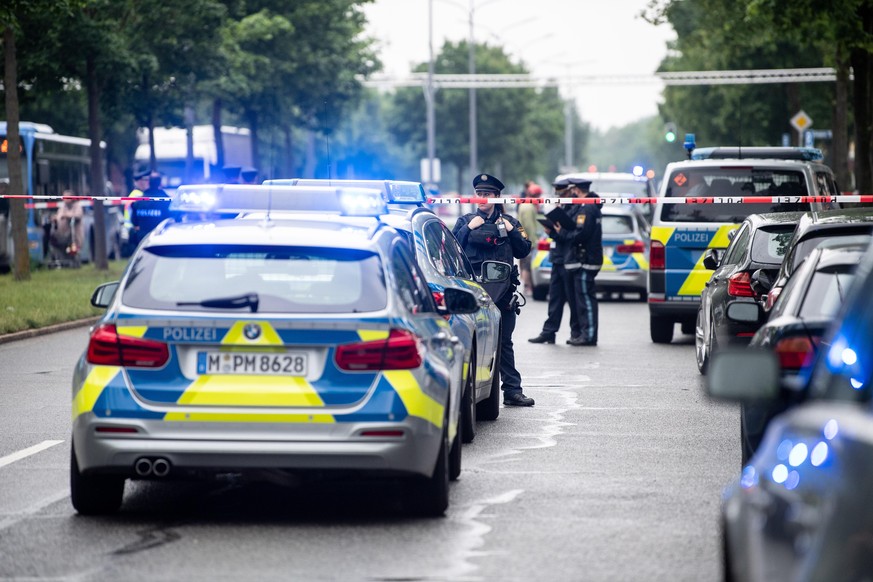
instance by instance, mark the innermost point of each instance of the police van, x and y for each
(682, 232)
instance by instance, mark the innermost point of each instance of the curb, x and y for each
(29, 333)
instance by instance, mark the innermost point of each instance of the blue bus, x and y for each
(51, 163)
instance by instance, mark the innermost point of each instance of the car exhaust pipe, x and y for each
(143, 467)
(161, 467)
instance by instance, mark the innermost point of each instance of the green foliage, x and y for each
(641, 142)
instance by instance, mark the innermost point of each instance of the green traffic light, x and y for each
(670, 136)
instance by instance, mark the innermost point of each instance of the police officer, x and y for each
(588, 246)
(489, 234)
(564, 266)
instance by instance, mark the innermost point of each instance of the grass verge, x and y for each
(52, 296)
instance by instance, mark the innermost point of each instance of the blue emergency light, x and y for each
(394, 191)
(237, 199)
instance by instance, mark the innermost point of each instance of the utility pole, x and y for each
(428, 97)
(474, 146)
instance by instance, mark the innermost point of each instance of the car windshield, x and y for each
(731, 181)
(630, 188)
(283, 279)
(769, 246)
(617, 225)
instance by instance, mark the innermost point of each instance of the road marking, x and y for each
(24, 453)
(33, 509)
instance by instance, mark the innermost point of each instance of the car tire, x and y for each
(94, 494)
(429, 496)
(455, 457)
(661, 329)
(727, 569)
(687, 327)
(489, 409)
(644, 296)
(540, 292)
(468, 402)
(701, 345)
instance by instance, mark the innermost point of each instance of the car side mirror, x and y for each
(458, 301)
(745, 312)
(761, 282)
(495, 271)
(743, 375)
(104, 294)
(711, 259)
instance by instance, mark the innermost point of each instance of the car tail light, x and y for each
(107, 348)
(635, 247)
(795, 352)
(740, 285)
(401, 350)
(544, 245)
(657, 258)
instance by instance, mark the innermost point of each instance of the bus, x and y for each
(51, 163)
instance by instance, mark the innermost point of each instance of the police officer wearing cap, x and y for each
(565, 268)
(490, 235)
(588, 247)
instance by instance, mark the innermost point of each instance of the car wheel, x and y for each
(489, 409)
(687, 327)
(540, 292)
(468, 402)
(661, 329)
(455, 457)
(94, 494)
(429, 496)
(727, 570)
(701, 349)
(644, 296)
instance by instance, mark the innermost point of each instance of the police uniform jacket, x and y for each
(588, 237)
(563, 252)
(485, 243)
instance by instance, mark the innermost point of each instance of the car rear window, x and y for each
(803, 247)
(769, 246)
(827, 291)
(285, 279)
(617, 224)
(730, 181)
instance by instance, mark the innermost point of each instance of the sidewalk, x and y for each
(29, 333)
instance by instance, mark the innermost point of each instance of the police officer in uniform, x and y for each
(588, 246)
(565, 266)
(489, 234)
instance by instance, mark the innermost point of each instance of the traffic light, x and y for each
(670, 132)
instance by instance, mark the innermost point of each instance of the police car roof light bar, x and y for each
(245, 198)
(394, 191)
(763, 152)
(689, 144)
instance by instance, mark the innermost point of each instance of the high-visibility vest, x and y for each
(135, 193)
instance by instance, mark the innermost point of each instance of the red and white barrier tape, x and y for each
(668, 200)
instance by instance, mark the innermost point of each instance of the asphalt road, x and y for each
(615, 474)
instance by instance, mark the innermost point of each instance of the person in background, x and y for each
(140, 184)
(490, 235)
(564, 265)
(588, 246)
(527, 216)
(231, 174)
(67, 230)
(155, 190)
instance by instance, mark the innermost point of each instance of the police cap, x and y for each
(581, 183)
(141, 175)
(487, 182)
(561, 184)
(231, 172)
(248, 173)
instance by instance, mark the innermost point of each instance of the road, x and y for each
(615, 474)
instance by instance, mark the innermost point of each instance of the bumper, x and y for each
(679, 310)
(623, 280)
(240, 446)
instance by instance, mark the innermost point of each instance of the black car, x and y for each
(758, 245)
(812, 229)
(798, 322)
(800, 510)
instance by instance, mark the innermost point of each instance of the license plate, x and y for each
(254, 363)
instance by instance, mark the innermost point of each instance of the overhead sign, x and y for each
(801, 121)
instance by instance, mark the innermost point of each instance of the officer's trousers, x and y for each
(509, 375)
(585, 295)
(562, 289)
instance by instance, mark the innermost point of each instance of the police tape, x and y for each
(85, 200)
(845, 198)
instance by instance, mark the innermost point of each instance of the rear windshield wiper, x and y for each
(249, 300)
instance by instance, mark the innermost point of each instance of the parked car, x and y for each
(444, 264)
(800, 510)
(625, 255)
(812, 228)
(287, 343)
(798, 322)
(682, 232)
(758, 244)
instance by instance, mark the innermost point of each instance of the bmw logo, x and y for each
(252, 331)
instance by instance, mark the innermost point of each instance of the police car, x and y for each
(444, 264)
(298, 343)
(681, 233)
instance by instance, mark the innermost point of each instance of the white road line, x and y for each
(24, 453)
